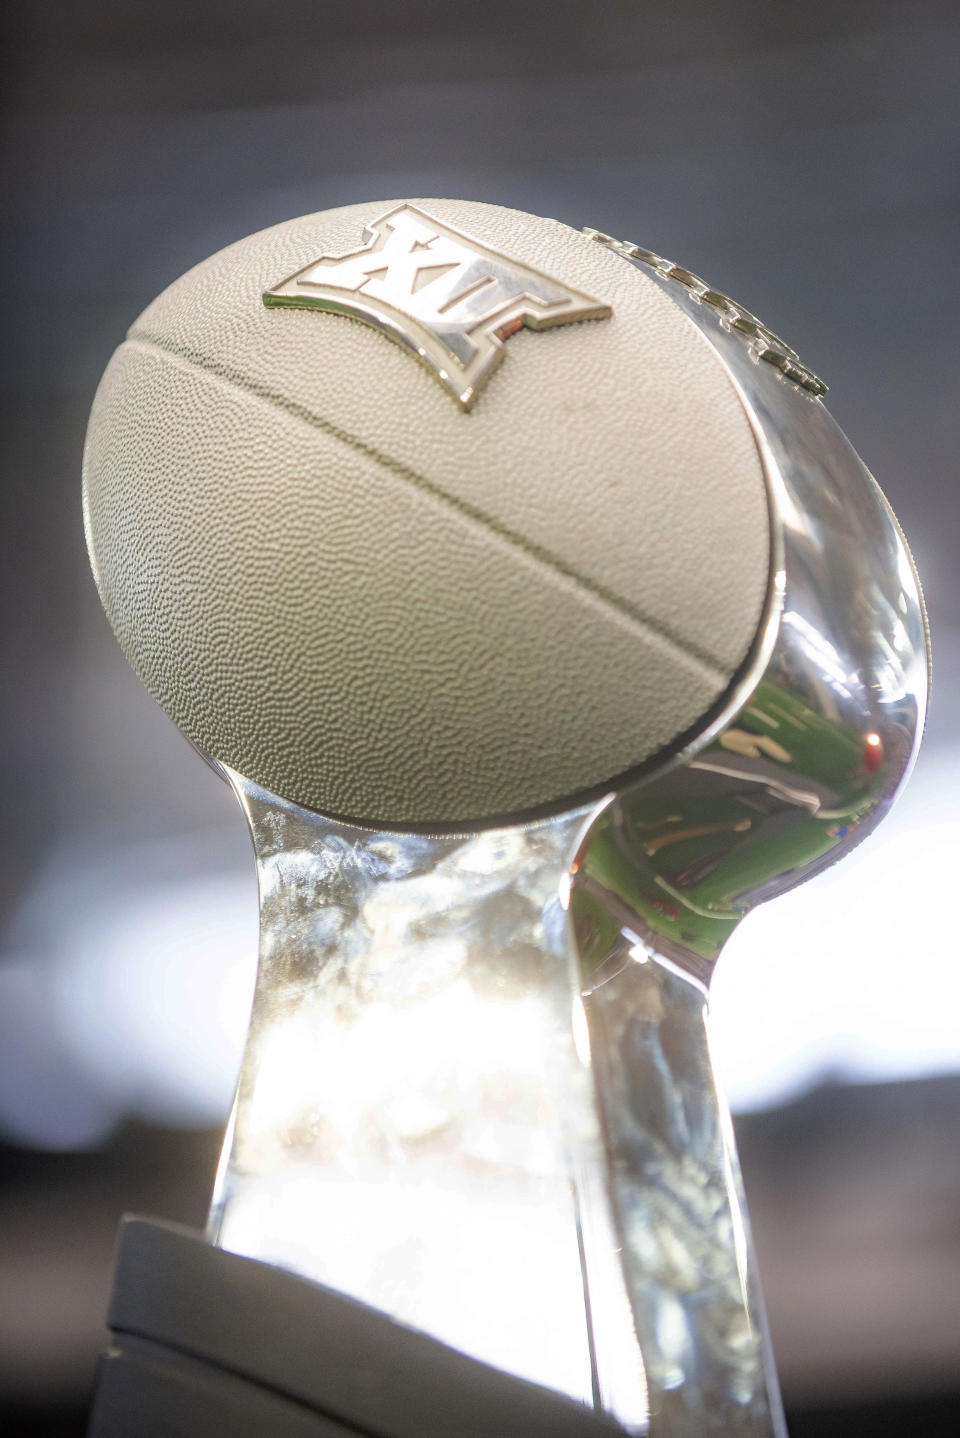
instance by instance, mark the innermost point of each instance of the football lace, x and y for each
(764, 344)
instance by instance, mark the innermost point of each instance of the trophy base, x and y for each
(205, 1341)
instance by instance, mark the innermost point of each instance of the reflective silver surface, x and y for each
(412, 1108)
(478, 1091)
(449, 299)
(822, 730)
(685, 1247)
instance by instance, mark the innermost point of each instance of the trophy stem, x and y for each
(413, 1117)
(462, 1104)
(677, 1194)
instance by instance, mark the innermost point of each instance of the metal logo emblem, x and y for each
(448, 298)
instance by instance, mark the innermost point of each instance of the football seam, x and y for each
(532, 551)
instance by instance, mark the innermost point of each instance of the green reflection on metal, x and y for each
(690, 853)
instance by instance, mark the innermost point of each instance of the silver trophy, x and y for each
(477, 1094)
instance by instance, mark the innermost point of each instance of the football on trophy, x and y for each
(427, 513)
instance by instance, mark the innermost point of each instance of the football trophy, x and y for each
(544, 623)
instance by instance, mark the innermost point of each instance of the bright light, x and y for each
(853, 977)
(412, 1154)
(134, 1002)
(154, 998)
(439, 1257)
(139, 1006)
(401, 1074)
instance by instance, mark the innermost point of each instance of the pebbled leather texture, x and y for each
(383, 607)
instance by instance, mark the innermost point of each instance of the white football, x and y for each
(423, 513)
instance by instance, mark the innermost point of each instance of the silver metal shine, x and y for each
(446, 297)
(766, 345)
(477, 1091)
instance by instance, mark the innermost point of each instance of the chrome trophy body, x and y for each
(477, 1092)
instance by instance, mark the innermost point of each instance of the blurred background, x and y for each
(805, 159)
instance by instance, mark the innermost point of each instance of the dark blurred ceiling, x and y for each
(116, 57)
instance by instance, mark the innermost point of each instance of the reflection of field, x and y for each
(689, 852)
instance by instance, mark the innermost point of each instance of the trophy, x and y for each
(543, 622)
